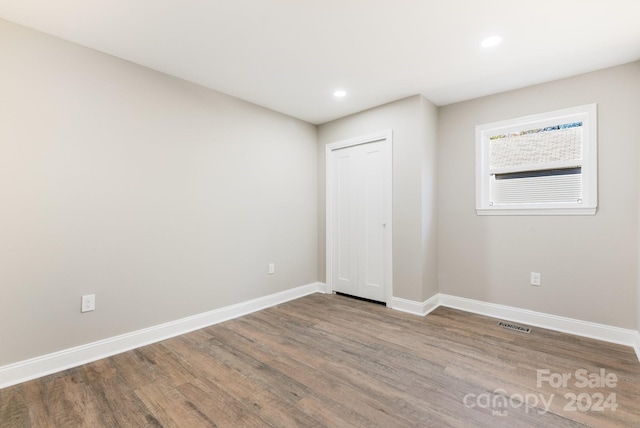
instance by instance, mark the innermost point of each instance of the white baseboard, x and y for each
(51, 363)
(539, 319)
(412, 307)
(322, 287)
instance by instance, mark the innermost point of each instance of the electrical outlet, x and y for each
(272, 268)
(88, 303)
(535, 278)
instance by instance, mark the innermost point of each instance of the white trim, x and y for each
(415, 308)
(322, 288)
(537, 211)
(589, 200)
(538, 319)
(33, 368)
(57, 361)
(552, 322)
(386, 136)
(364, 139)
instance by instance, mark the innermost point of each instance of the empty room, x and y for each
(320, 213)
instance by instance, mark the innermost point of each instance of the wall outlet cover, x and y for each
(88, 303)
(535, 278)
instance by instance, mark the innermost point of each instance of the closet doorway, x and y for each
(359, 217)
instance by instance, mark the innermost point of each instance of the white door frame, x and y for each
(386, 138)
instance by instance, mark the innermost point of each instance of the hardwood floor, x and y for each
(327, 360)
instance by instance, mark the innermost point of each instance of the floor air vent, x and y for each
(514, 327)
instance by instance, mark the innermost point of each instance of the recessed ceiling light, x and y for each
(339, 94)
(491, 41)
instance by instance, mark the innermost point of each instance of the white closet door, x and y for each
(358, 247)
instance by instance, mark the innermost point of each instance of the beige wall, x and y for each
(637, 139)
(588, 264)
(167, 200)
(163, 198)
(429, 137)
(412, 121)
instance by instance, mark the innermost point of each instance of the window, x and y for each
(545, 164)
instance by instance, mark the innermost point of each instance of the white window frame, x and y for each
(587, 205)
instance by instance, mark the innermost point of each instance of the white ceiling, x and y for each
(291, 55)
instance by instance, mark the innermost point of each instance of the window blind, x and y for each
(541, 164)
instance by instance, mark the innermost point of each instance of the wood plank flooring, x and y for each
(327, 360)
